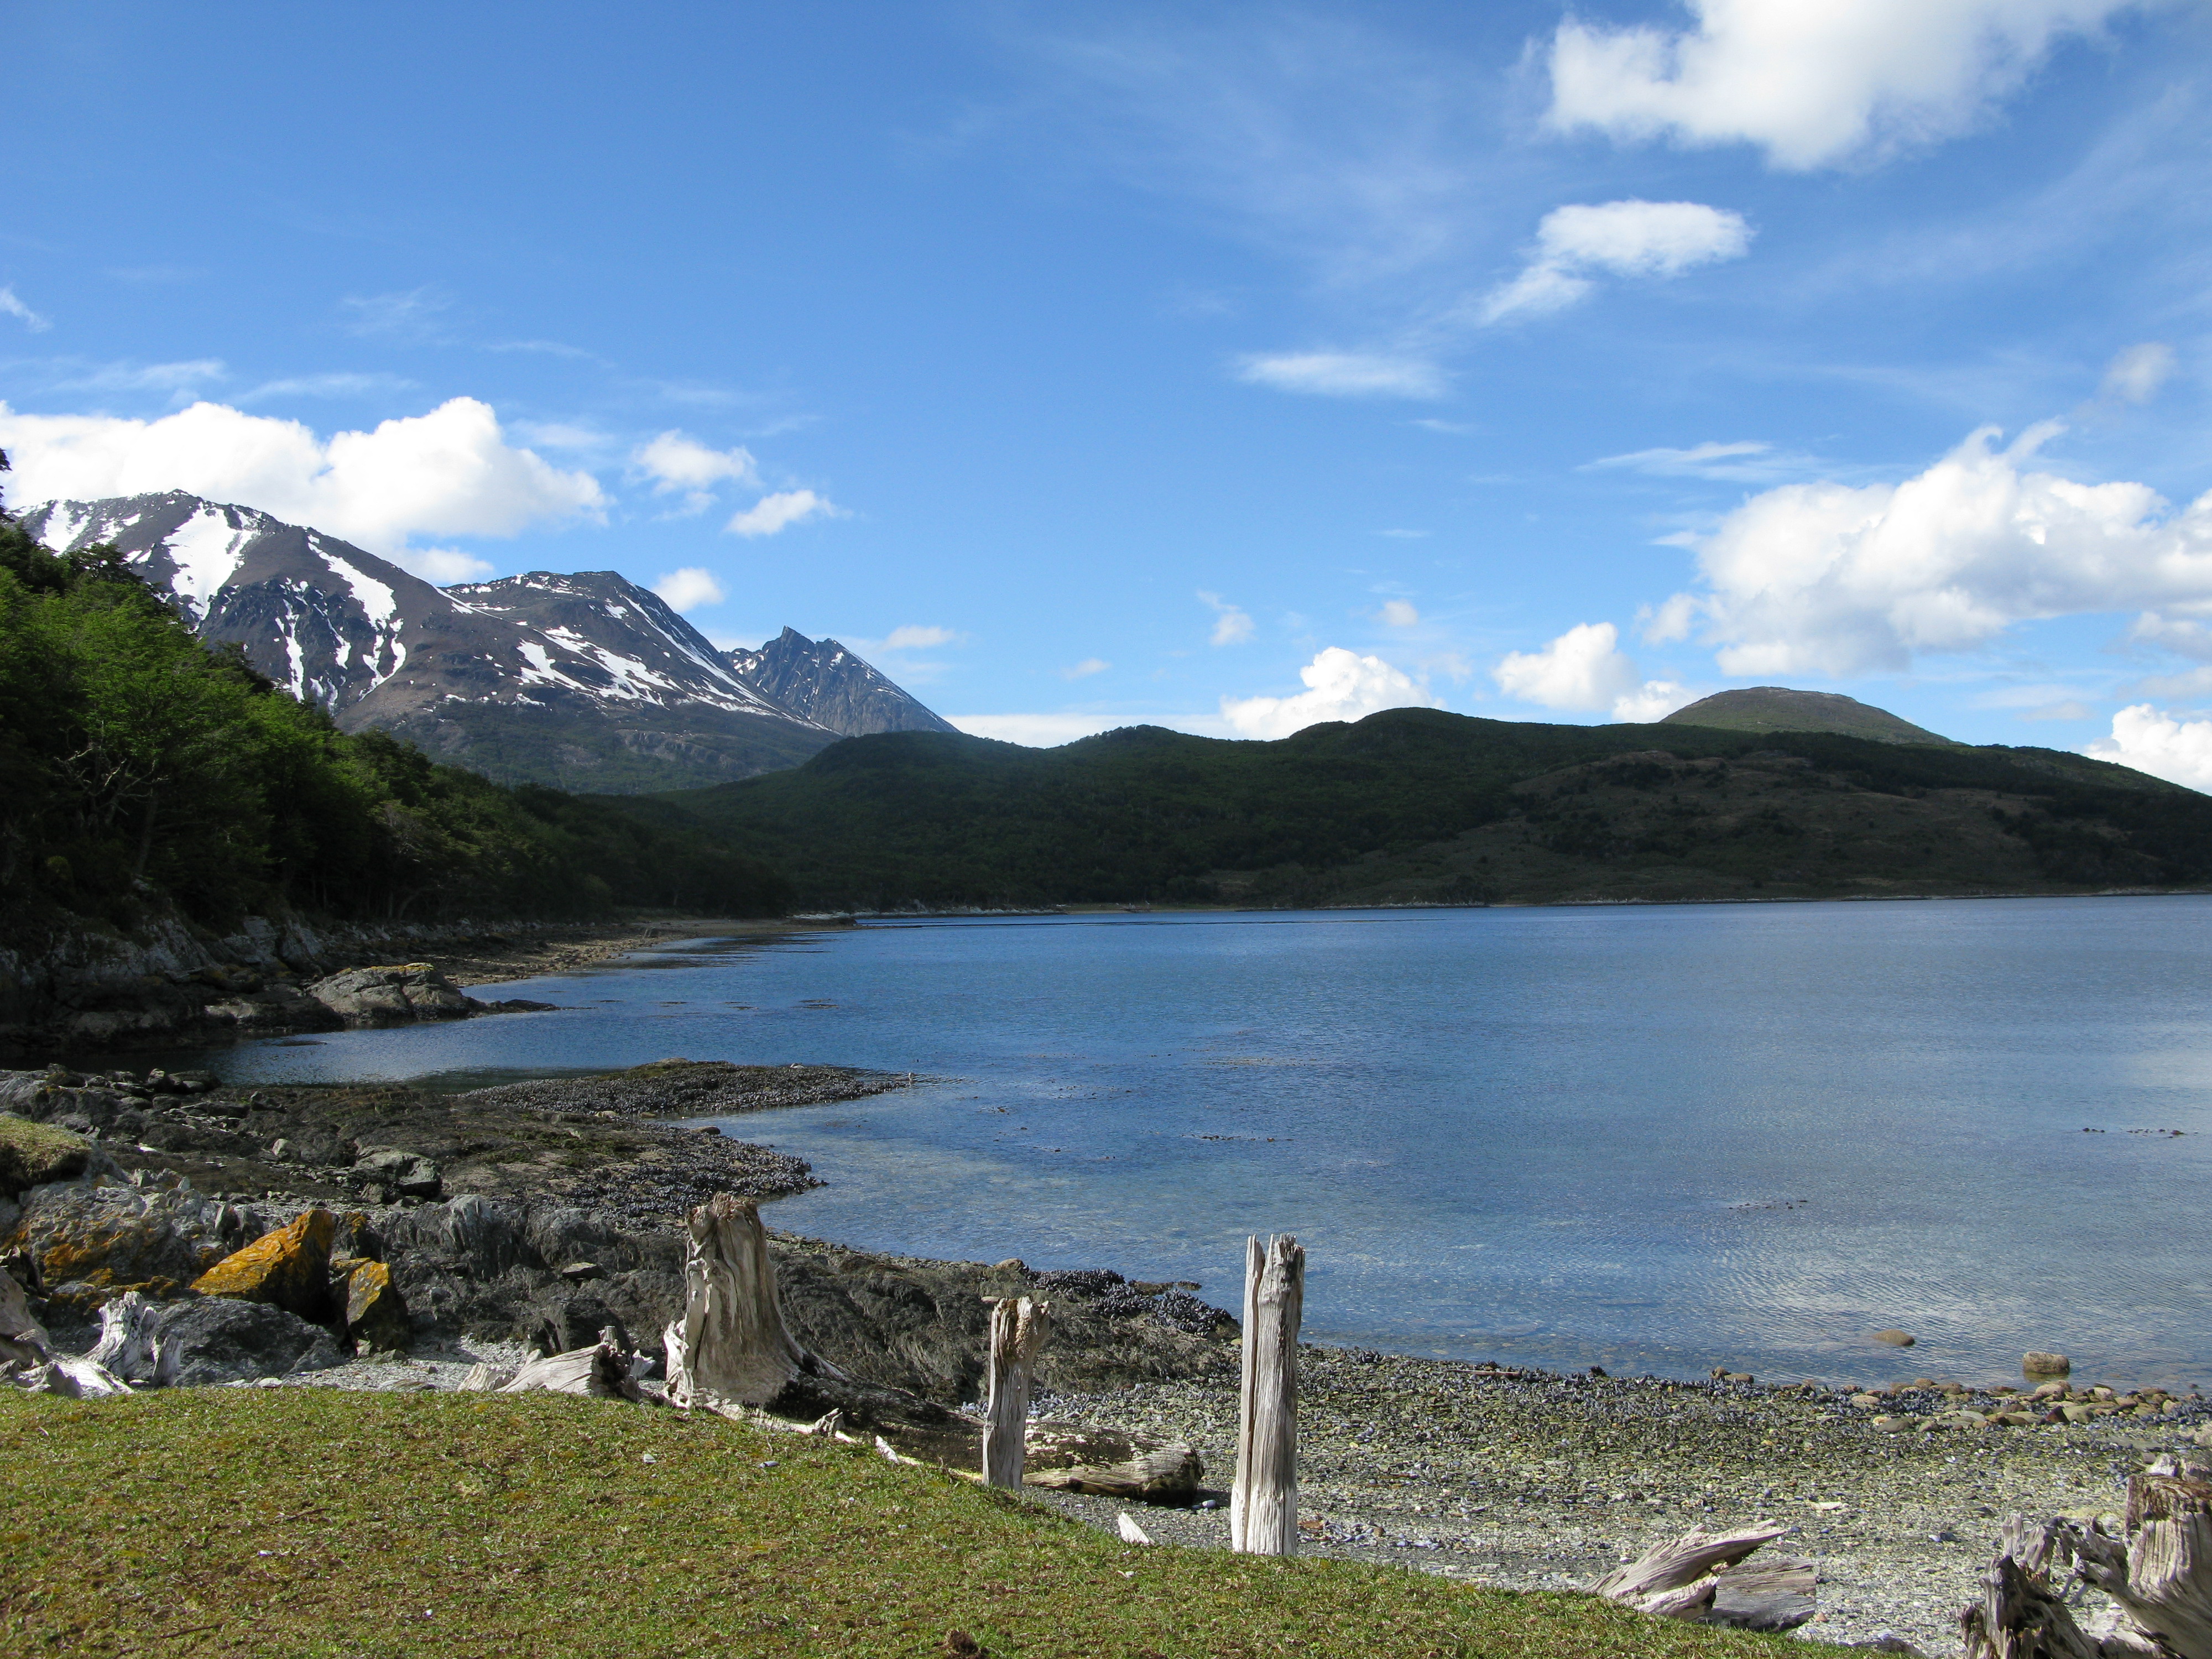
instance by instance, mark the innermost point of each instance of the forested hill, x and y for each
(1416, 805)
(142, 773)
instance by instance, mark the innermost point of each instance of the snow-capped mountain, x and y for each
(589, 682)
(823, 682)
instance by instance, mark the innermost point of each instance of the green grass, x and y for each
(308, 1521)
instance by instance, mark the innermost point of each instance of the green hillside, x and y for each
(1780, 708)
(1415, 805)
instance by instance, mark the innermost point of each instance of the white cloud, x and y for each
(1340, 685)
(12, 307)
(1344, 374)
(689, 588)
(1232, 625)
(2179, 635)
(449, 472)
(326, 385)
(444, 564)
(1812, 82)
(1038, 731)
(914, 638)
(1827, 579)
(2153, 741)
(145, 377)
(1084, 669)
(1586, 669)
(406, 316)
(1399, 613)
(2137, 373)
(1743, 462)
(1621, 238)
(771, 513)
(673, 462)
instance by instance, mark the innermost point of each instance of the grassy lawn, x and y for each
(309, 1522)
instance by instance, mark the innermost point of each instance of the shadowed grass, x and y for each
(309, 1522)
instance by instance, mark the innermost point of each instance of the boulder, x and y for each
(213, 1340)
(567, 1323)
(391, 996)
(375, 1313)
(92, 1243)
(34, 1154)
(289, 1269)
(2037, 1363)
(23, 1340)
(1895, 1338)
(409, 1174)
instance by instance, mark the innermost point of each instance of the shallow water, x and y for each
(1650, 1137)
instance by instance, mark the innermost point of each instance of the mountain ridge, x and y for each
(1783, 709)
(587, 681)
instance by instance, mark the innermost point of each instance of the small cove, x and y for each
(1650, 1138)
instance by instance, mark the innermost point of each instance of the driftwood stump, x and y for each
(731, 1344)
(1018, 1326)
(2159, 1575)
(1263, 1507)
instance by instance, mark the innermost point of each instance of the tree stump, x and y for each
(1677, 1579)
(731, 1343)
(1263, 1507)
(1017, 1327)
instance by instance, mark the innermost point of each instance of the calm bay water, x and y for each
(1652, 1139)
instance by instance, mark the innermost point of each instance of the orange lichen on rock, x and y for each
(289, 1269)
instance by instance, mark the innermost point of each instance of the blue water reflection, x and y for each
(1650, 1137)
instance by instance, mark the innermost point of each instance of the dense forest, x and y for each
(139, 768)
(1420, 805)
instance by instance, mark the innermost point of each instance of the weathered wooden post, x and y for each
(1017, 1332)
(1263, 1505)
(731, 1344)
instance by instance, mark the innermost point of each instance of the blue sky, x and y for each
(1222, 367)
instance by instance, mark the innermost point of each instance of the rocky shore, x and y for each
(530, 1217)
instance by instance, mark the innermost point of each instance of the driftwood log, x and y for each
(1707, 1577)
(2159, 1577)
(1018, 1325)
(128, 1326)
(1263, 1506)
(1109, 1463)
(601, 1371)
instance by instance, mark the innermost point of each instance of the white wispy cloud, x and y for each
(448, 472)
(1812, 84)
(1084, 669)
(410, 315)
(2135, 375)
(919, 637)
(1340, 685)
(1741, 462)
(338, 384)
(776, 513)
(1232, 624)
(1344, 374)
(12, 307)
(688, 588)
(674, 461)
(143, 377)
(1579, 242)
(1399, 613)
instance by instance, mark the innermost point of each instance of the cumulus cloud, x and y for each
(1231, 624)
(1813, 82)
(1585, 669)
(450, 473)
(1344, 374)
(675, 462)
(689, 588)
(12, 307)
(2137, 373)
(2153, 741)
(1086, 669)
(1340, 685)
(1823, 578)
(779, 511)
(1622, 238)
(1399, 613)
